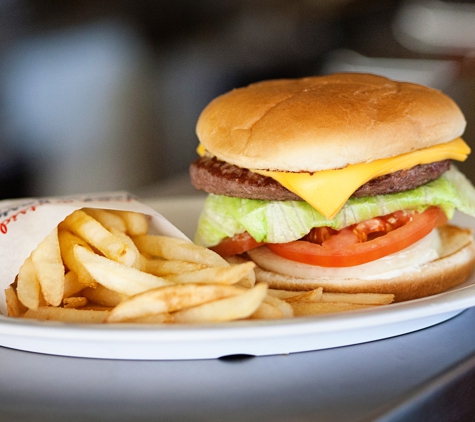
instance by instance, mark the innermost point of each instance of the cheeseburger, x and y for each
(343, 181)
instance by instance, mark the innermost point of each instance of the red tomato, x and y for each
(235, 245)
(345, 249)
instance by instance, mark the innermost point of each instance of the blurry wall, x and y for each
(104, 95)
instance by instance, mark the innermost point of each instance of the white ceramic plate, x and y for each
(246, 337)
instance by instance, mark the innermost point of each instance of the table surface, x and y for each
(350, 383)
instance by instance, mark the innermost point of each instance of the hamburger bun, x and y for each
(456, 262)
(325, 122)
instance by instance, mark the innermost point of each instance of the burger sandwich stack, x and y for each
(345, 182)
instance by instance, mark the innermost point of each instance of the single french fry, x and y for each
(72, 285)
(282, 305)
(169, 299)
(14, 308)
(266, 311)
(361, 298)
(153, 319)
(115, 276)
(310, 296)
(317, 308)
(247, 281)
(140, 261)
(74, 302)
(67, 240)
(28, 286)
(107, 218)
(49, 268)
(164, 267)
(218, 275)
(178, 249)
(99, 237)
(284, 294)
(136, 223)
(228, 309)
(52, 313)
(102, 296)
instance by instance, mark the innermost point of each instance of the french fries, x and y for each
(240, 306)
(51, 313)
(14, 306)
(28, 286)
(116, 276)
(74, 302)
(220, 275)
(99, 237)
(67, 241)
(49, 268)
(102, 266)
(178, 249)
(169, 299)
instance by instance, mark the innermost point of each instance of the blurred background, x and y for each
(100, 95)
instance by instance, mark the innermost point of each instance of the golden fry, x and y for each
(72, 285)
(14, 308)
(169, 299)
(284, 294)
(115, 276)
(164, 267)
(218, 275)
(178, 249)
(99, 237)
(153, 319)
(102, 296)
(136, 223)
(228, 309)
(282, 305)
(49, 268)
(310, 296)
(51, 313)
(317, 308)
(67, 240)
(74, 302)
(140, 261)
(247, 281)
(28, 286)
(107, 218)
(267, 311)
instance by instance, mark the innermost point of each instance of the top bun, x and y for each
(326, 122)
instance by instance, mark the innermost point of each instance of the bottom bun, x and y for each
(453, 267)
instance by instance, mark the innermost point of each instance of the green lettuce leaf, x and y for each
(285, 221)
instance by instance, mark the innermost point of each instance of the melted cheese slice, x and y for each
(328, 190)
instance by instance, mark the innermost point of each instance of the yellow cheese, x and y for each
(328, 190)
(201, 150)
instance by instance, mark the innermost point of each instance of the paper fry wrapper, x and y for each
(24, 223)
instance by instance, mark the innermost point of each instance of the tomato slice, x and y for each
(344, 249)
(235, 245)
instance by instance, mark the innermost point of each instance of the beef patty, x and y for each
(221, 178)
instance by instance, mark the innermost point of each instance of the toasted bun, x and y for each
(456, 263)
(326, 122)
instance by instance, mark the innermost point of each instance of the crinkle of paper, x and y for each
(24, 223)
